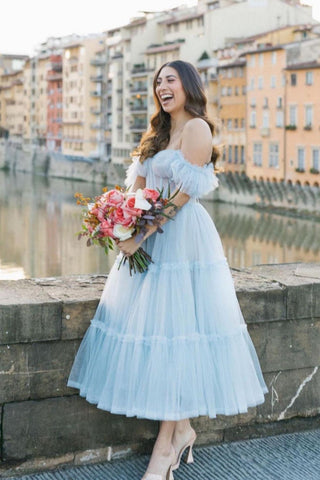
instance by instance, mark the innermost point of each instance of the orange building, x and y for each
(232, 105)
(265, 106)
(302, 134)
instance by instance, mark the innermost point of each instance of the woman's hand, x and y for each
(128, 247)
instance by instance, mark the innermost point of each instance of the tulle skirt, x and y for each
(171, 343)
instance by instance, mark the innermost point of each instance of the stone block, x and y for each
(76, 318)
(292, 393)
(56, 426)
(292, 344)
(30, 322)
(259, 430)
(36, 370)
(262, 306)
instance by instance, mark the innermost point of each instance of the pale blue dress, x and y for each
(171, 343)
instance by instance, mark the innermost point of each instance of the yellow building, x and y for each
(11, 108)
(302, 135)
(265, 104)
(232, 106)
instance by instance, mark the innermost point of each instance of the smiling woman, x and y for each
(171, 343)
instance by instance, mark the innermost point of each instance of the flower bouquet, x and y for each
(120, 214)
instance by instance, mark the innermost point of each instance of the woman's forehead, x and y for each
(167, 71)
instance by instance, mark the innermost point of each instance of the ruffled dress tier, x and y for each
(171, 343)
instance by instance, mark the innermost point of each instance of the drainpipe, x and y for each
(284, 129)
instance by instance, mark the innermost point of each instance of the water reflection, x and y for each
(39, 219)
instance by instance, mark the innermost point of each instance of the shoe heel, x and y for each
(170, 474)
(189, 458)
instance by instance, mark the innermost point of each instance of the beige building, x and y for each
(82, 96)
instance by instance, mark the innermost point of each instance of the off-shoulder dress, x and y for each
(171, 343)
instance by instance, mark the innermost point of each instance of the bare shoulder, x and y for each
(196, 141)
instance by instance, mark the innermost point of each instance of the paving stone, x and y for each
(292, 456)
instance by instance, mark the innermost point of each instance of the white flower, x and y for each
(140, 201)
(90, 206)
(123, 233)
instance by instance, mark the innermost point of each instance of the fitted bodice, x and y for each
(169, 168)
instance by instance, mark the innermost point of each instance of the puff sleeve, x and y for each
(135, 169)
(192, 179)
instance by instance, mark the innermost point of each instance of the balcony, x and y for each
(95, 93)
(140, 88)
(95, 111)
(96, 78)
(99, 61)
(307, 127)
(139, 108)
(265, 132)
(139, 127)
(95, 126)
(291, 127)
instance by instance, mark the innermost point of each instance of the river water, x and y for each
(39, 221)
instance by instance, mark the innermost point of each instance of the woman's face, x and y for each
(169, 90)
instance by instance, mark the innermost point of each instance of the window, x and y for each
(274, 58)
(293, 115)
(251, 84)
(261, 59)
(244, 89)
(229, 72)
(236, 90)
(309, 78)
(316, 158)
(242, 154)
(229, 124)
(273, 81)
(229, 91)
(308, 115)
(253, 102)
(265, 119)
(242, 123)
(273, 155)
(236, 152)
(229, 153)
(293, 79)
(279, 102)
(253, 118)
(301, 158)
(279, 119)
(252, 61)
(265, 102)
(260, 83)
(257, 154)
(236, 123)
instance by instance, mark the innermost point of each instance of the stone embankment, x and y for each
(234, 188)
(42, 321)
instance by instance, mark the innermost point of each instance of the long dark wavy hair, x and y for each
(158, 136)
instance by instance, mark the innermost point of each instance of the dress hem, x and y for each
(173, 417)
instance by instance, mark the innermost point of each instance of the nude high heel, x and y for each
(156, 476)
(189, 457)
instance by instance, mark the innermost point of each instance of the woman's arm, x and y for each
(196, 147)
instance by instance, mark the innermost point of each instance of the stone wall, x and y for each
(42, 322)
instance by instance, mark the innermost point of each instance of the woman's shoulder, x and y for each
(196, 126)
(196, 141)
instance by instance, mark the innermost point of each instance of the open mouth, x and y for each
(166, 98)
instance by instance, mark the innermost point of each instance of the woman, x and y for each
(171, 343)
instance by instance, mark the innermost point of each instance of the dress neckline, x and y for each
(183, 157)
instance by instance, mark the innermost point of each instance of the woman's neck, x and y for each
(178, 121)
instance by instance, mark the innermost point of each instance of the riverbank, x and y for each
(279, 197)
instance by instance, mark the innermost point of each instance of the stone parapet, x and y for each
(42, 322)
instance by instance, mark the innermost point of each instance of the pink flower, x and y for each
(113, 198)
(119, 217)
(129, 210)
(148, 193)
(106, 228)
